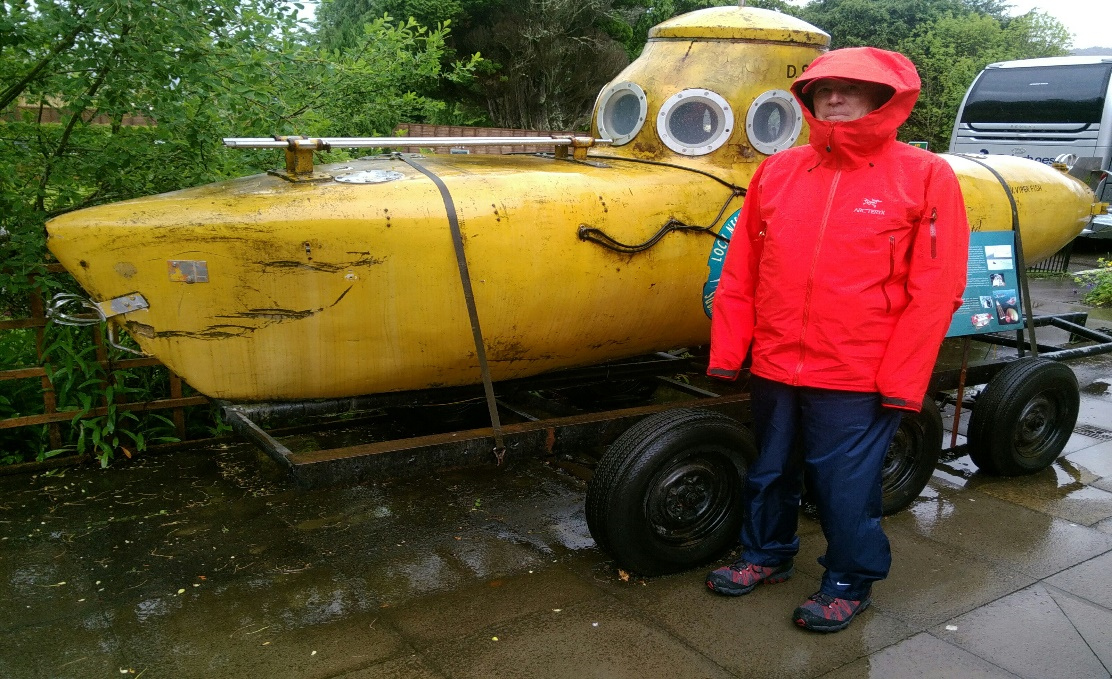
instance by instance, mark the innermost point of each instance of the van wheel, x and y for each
(1024, 417)
(666, 496)
(911, 456)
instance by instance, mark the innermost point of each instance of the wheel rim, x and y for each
(689, 499)
(902, 456)
(1039, 425)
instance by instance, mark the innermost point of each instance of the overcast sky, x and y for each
(1090, 21)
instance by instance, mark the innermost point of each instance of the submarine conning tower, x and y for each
(710, 90)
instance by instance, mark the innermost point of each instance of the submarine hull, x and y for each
(330, 289)
(1052, 207)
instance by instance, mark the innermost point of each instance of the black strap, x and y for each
(469, 298)
(1021, 264)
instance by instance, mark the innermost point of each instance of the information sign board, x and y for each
(991, 301)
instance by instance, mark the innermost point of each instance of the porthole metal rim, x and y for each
(683, 96)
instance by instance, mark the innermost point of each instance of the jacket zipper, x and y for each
(811, 275)
(891, 272)
(934, 233)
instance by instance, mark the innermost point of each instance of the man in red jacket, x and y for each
(841, 278)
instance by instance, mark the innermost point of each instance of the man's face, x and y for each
(844, 100)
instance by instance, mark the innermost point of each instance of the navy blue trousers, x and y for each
(841, 439)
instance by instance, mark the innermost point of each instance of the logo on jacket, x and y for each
(870, 206)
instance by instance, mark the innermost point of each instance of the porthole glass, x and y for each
(774, 121)
(621, 112)
(695, 122)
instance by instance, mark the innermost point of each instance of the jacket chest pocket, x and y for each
(870, 258)
(886, 240)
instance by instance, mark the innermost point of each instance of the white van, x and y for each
(1042, 109)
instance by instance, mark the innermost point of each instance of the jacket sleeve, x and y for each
(732, 313)
(935, 283)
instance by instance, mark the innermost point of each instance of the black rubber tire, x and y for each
(666, 496)
(1023, 418)
(911, 457)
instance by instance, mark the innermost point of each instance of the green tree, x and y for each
(545, 61)
(642, 15)
(340, 22)
(389, 75)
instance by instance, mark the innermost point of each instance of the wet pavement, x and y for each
(207, 563)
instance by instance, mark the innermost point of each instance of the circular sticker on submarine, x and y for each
(716, 259)
(369, 177)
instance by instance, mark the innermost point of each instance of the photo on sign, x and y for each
(1007, 310)
(999, 264)
(997, 280)
(981, 320)
(986, 301)
(998, 252)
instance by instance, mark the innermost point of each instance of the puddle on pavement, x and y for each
(1062, 489)
(1098, 387)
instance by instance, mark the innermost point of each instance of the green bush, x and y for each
(1098, 284)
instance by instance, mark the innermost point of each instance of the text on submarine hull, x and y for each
(348, 283)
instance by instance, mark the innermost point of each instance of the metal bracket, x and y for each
(101, 311)
(122, 305)
(96, 312)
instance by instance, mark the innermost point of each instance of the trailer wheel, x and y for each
(666, 496)
(911, 456)
(1024, 417)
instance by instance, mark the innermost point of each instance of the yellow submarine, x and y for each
(397, 272)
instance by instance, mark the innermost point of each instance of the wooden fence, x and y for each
(50, 114)
(51, 416)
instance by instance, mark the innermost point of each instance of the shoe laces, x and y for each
(742, 565)
(822, 599)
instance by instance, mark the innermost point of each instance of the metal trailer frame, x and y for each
(566, 434)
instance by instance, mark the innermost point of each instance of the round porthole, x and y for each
(774, 121)
(621, 112)
(695, 122)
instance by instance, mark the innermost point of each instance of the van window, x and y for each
(1039, 94)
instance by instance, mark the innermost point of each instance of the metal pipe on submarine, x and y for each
(340, 280)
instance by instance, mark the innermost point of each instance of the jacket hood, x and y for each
(850, 143)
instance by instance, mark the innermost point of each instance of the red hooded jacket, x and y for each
(849, 256)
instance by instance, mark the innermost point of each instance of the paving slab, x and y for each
(1063, 489)
(408, 667)
(753, 635)
(1031, 634)
(1091, 580)
(922, 656)
(1014, 537)
(1095, 459)
(77, 646)
(599, 638)
(465, 611)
